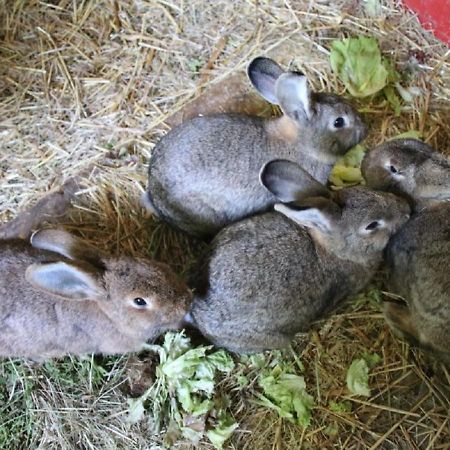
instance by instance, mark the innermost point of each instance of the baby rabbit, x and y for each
(203, 174)
(411, 168)
(270, 276)
(60, 296)
(418, 256)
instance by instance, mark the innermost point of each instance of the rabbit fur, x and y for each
(203, 174)
(410, 168)
(270, 276)
(418, 256)
(59, 296)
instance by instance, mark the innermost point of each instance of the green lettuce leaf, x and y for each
(222, 431)
(372, 359)
(286, 394)
(391, 96)
(181, 397)
(372, 7)
(221, 360)
(358, 63)
(347, 170)
(411, 134)
(358, 378)
(340, 407)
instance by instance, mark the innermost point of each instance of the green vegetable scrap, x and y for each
(362, 69)
(393, 100)
(358, 374)
(358, 378)
(411, 134)
(358, 63)
(372, 359)
(372, 7)
(181, 397)
(194, 64)
(340, 407)
(286, 394)
(224, 429)
(347, 170)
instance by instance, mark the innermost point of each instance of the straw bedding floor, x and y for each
(85, 89)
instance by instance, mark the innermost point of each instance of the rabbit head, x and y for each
(141, 297)
(327, 121)
(354, 223)
(410, 168)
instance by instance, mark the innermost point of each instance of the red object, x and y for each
(434, 15)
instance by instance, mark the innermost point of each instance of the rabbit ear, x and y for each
(294, 95)
(318, 213)
(263, 74)
(65, 244)
(66, 280)
(288, 181)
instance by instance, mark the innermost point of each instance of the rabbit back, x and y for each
(204, 173)
(265, 280)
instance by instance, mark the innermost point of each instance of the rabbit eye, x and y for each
(296, 207)
(139, 301)
(339, 122)
(372, 225)
(393, 169)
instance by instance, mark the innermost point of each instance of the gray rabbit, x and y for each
(60, 296)
(203, 174)
(270, 276)
(411, 168)
(418, 256)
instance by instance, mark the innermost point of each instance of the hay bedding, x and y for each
(86, 88)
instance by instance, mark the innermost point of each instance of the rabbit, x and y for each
(418, 256)
(59, 296)
(410, 168)
(418, 260)
(269, 276)
(203, 174)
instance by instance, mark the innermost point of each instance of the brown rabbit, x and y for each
(60, 296)
(418, 256)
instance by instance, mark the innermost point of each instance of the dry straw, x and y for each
(86, 87)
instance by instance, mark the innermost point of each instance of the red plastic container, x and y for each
(434, 15)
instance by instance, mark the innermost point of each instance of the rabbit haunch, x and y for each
(82, 302)
(203, 174)
(268, 277)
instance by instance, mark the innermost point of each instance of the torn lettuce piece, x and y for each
(224, 429)
(358, 378)
(286, 394)
(358, 63)
(411, 134)
(347, 170)
(181, 397)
